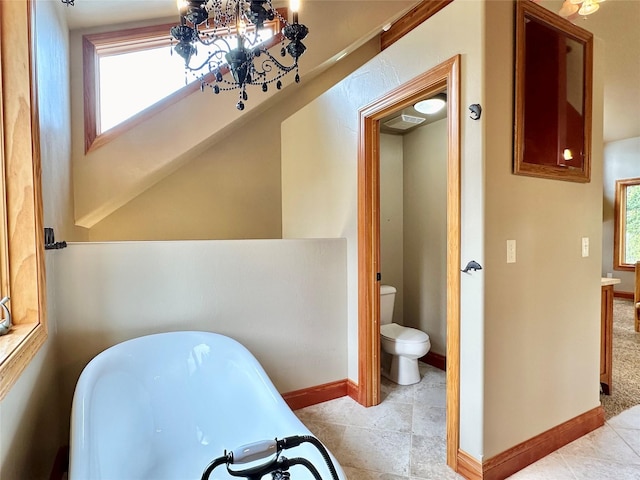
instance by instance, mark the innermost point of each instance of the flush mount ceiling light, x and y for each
(580, 7)
(431, 105)
(227, 32)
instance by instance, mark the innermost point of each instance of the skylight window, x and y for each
(131, 74)
(133, 81)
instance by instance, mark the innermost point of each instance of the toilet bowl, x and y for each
(405, 345)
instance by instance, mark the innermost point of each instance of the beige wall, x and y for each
(232, 190)
(530, 330)
(319, 173)
(392, 219)
(31, 428)
(620, 162)
(425, 232)
(413, 228)
(542, 313)
(263, 293)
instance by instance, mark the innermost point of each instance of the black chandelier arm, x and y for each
(267, 67)
(219, 54)
(212, 40)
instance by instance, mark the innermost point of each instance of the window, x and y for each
(22, 246)
(626, 247)
(128, 76)
(121, 97)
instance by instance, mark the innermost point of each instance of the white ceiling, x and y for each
(92, 13)
(616, 23)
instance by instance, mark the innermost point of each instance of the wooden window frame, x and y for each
(23, 274)
(619, 224)
(126, 41)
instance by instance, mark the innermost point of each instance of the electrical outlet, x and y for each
(511, 251)
(585, 246)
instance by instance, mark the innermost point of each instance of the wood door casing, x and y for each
(445, 75)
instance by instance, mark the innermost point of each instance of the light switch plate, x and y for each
(585, 246)
(511, 251)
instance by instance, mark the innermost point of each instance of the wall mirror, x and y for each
(553, 82)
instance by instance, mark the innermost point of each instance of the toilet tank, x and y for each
(387, 297)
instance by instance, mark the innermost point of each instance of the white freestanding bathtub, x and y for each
(164, 406)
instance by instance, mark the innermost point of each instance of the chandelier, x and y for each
(581, 7)
(216, 37)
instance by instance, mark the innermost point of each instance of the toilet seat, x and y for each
(400, 334)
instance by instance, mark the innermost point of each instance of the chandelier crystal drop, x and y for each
(222, 44)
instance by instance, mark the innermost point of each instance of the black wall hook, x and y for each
(472, 266)
(50, 240)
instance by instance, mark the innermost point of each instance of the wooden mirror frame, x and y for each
(527, 10)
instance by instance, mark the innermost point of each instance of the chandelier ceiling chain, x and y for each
(228, 34)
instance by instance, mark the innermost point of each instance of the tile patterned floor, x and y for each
(403, 438)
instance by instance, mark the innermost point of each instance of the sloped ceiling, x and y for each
(93, 13)
(109, 177)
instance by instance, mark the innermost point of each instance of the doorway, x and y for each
(444, 77)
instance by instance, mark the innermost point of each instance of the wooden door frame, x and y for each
(446, 75)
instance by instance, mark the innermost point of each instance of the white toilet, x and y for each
(405, 344)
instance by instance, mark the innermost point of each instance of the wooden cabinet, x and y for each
(606, 333)
(606, 338)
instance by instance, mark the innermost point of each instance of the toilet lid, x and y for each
(400, 334)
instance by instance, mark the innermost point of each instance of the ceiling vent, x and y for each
(403, 122)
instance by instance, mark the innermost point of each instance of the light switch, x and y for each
(585, 246)
(511, 251)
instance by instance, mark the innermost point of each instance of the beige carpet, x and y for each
(626, 361)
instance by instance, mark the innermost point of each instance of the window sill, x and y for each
(625, 267)
(17, 348)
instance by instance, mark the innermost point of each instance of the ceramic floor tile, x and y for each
(631, 436)
(375, 450)
(385, 416)
(330, 434)
(627, 419)
(403, 438)
(429, 421)
(431, 375)
(429, 458)
(391, 392)
(603, 443)
(551, 467)
(334, 411)
(430, 395)
(598, 469)
(360, 474)
(345, 411)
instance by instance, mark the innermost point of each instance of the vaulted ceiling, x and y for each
(616, 23)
